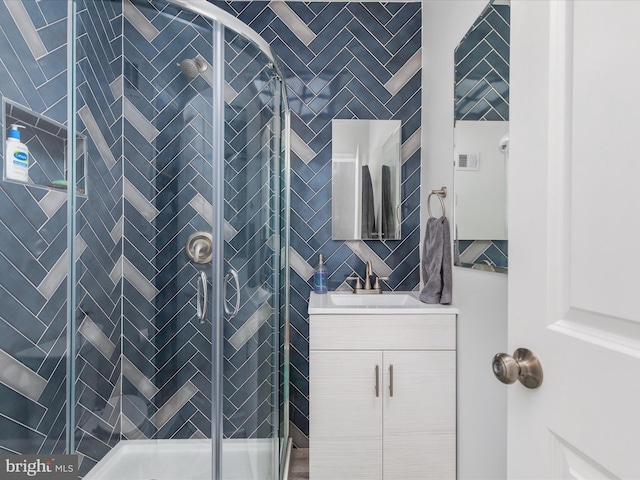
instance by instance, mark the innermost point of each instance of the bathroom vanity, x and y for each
(382, 399)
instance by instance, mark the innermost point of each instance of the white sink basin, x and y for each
(371, 301)
(386, 302)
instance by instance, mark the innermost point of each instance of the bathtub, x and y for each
(242, 459)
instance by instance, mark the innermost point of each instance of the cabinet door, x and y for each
(345, 430)
(420, 418)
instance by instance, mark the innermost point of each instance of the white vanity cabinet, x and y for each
(382, 399)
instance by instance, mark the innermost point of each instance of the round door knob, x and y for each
(523, 366)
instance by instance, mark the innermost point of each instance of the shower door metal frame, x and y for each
(217, 262)
(71, 229)
(275, 162)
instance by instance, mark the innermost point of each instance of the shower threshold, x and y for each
(242, 459)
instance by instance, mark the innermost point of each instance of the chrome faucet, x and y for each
(367, 275)
(367, 288)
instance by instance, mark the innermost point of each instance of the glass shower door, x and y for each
(144, 353)
(34, 253)
(170, 155)
(252, 262)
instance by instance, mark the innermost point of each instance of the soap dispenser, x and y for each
(16, 156)
(320, 277)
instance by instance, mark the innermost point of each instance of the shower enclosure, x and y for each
(145, 281)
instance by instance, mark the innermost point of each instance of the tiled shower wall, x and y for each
(482, 94)
(342, 60)
(33, 244)
(168, 196)
(33, 250)
(99, 231)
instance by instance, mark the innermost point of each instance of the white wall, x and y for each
(480, 296)
(481, 195)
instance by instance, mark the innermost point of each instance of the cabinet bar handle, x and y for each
(391, 380)
(377, 380)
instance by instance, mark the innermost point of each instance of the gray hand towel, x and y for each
(436, 262)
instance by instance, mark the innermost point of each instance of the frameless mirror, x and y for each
(481, 141)
(365, 181)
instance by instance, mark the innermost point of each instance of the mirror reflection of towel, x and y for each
(388, 223)
(368, 211)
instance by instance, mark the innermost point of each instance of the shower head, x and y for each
(192, 67)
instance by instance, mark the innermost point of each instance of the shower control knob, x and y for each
(200, 247)
(523, 366)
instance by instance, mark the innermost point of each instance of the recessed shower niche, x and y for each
(48, 146)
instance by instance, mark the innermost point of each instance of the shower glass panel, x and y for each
(97, 226)
(252, 247)
(148, 381)
(34, 256)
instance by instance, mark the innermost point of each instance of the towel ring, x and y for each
(442, 193)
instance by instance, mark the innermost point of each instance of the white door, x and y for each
(574, 221)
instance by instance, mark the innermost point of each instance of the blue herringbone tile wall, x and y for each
(482, 67)
(252, 171)
(358, 60)
(341, 60)
(168, 195)
(33, 246)
(166, 361)
(33, 251)
(99, 231)
(482, 94)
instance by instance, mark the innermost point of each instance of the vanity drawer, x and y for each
(382, 332)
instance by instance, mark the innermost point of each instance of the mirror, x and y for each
(481, 141)
(366, 171)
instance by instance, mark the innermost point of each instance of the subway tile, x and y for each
(20, 378)
(27, 29)
(373, 25)
(297, 26)
(96, 336)
(367, 98)
(173, 405)
(53, 11)
(137, 20)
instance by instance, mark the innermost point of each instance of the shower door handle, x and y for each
(232, 274)
(201, 296)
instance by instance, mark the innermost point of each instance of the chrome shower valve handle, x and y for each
(200, 247)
